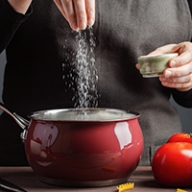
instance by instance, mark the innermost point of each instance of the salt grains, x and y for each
(84, 71)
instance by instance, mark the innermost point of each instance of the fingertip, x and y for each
(83, 26)
(74, 27)
(167, 73)
(137, 66)
(90, 22)
(172, 63)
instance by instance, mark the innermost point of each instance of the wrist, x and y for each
(20, 6)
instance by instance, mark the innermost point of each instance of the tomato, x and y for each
(181, 137)
(172, 164)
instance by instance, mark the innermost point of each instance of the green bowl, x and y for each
(153, 66)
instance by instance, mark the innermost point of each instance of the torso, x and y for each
(124, 30)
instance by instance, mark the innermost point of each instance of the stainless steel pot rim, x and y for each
(84, 115)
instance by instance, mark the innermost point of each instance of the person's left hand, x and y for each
(178, 75)
(78, 13)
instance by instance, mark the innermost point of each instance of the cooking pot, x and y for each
(82, 146)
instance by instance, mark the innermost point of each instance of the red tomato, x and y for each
(172, 164)
(181, 137)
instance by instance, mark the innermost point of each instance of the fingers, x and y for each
(183, 83)
(69, 13)
(90, 9)
(185, 55)
(178, 69)
(137, 66)
(79, 13)
(170, 48)
(179, 73)
(59, 6)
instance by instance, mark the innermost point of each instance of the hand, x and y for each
(79, 13)
(178, 75)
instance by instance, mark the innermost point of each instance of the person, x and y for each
(39, 37)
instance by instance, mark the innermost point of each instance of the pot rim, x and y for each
(84, 115)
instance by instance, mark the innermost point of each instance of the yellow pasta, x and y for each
(180, 190)
(125, 186)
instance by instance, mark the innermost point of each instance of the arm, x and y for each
(10, 20)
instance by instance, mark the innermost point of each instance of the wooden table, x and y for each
(26, 178)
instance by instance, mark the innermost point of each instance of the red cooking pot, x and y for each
(82, 147)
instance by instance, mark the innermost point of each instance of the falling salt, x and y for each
(82, 73)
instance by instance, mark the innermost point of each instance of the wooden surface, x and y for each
(26, 178)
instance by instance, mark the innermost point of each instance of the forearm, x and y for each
(20, 6)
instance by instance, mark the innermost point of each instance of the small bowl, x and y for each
(153, 66)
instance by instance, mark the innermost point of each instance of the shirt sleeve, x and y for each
(190, 5)
(10, 20)
(183, 98)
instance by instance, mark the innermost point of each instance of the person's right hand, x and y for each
(79, 13)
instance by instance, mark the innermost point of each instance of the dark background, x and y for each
(185, 113)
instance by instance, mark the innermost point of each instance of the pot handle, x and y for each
(23, 123)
